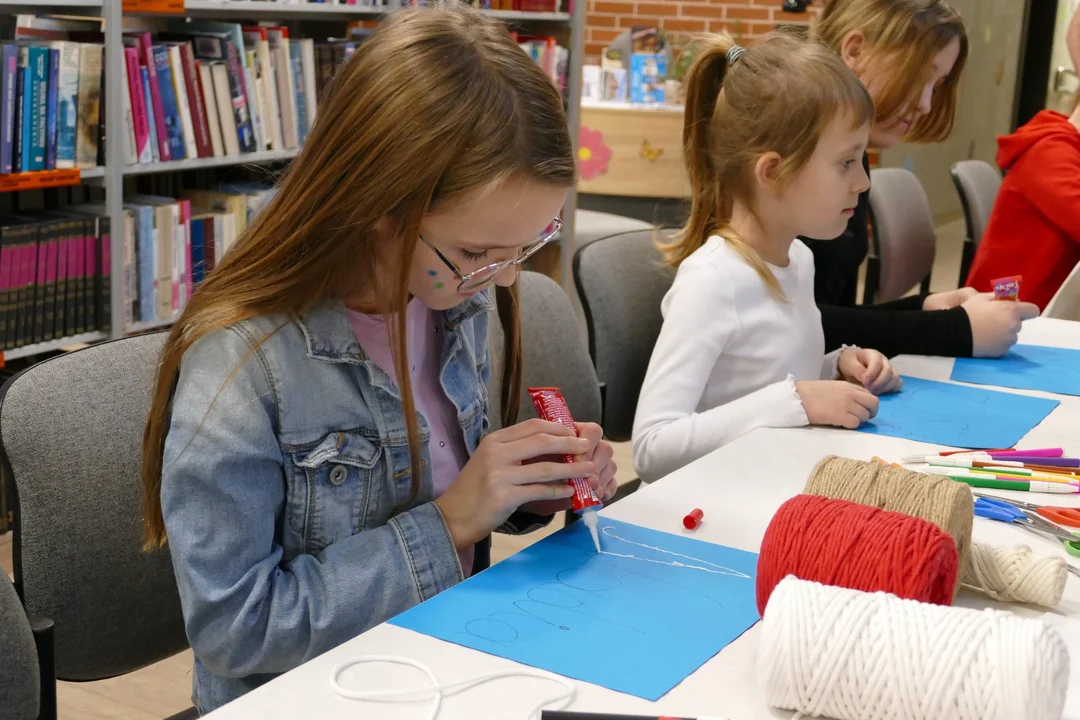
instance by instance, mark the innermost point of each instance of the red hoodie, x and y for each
(1034, 229)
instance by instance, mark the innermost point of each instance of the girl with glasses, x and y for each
(319, 455)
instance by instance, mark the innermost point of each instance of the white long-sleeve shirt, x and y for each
(728, 356)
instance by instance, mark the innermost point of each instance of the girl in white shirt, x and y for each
(773, 140)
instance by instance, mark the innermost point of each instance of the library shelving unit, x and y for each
(569, 27)
(20, 182)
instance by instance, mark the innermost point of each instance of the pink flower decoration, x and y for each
(592, 154)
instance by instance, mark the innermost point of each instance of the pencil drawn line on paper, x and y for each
(555, 595)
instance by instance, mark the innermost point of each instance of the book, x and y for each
(38, 106)
(220, 46)
(299, 94)
(183, 106)
(151, 120)
(88, 122)
(9, 80)
(52, 127)
(174, 133)
(196, 104)
(255, 37)
(220, 74)
(281, 59)
(67, 103)
(213, 119)
(131, 144)
(307, 58)
(141, 121)
(23, 113)
(146, 58)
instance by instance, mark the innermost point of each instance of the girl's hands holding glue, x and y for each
(836, 402)
(602, 481)
(870, 369)
(501, 476)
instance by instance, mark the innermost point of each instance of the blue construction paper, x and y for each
(957, 415)
(1025, 367)
(638, 624)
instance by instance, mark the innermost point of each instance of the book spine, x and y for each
(14, 237)
(254, 105)
(174, 133)
(239, 97)
(198, 253)
(138, 106)
(300, 99)
(23, 119)
(91, 243)
(88, 120)
(147, 264)
(183, 105)
(10, 57)
(101, 127)
(26, 287)
(185, 222)
(151, 120)
(195, 101)
(131, 143)
(206, 88)
(45, 232)
(51, 330)
(154, 83)
(209, 245)
(179, 259)
(67, 105)
(307, 61)
(60, 297)
(76, 319)
(52, 127)
(5, 286)
(104, 275)
(39, 97)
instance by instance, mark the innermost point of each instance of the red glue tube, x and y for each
(1007, 288)
(551, 405)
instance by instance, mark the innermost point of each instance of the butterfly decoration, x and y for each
(649, 152)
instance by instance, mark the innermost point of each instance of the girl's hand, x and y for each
(500, 477)
(949, 300)
(602, 481)
(835, 402)
(870, 369)
(995, 324)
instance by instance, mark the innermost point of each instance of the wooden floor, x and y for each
(165, 688)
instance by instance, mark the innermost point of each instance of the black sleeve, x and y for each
(915, 302)
(898, 332)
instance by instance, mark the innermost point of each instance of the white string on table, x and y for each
(436, 691)
(850, 655)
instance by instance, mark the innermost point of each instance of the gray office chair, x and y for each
(977, 182)
(904, 241)
(20, 681)
(71, 431)
(621, 281)
(553, 355)
(553, 352)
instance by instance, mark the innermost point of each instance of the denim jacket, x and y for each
(284, 464)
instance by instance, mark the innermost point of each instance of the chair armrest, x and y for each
(44, 640)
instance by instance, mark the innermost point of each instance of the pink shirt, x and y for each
(425, 342)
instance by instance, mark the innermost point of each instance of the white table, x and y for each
(739, 487)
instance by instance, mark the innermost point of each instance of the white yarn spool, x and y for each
(1013, 574)
(851, 655)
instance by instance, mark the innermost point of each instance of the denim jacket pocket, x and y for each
(331, 487)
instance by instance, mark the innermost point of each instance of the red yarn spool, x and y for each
(841, 543)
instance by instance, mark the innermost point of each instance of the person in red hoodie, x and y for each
(1034, 229)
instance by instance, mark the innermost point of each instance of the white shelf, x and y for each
(252, 8)
(510, 15)
(149, 325)
(53, 345)
(42, 7)
(255, 158)
(94, 172)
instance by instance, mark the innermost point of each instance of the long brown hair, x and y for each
(779, 96)
(909, 33)
(437, 103)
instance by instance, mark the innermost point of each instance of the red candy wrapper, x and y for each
(1007, 288)
(551, 405)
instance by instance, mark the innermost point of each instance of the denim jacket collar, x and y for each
(330, 336)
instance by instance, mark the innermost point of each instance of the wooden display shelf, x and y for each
(39, 180)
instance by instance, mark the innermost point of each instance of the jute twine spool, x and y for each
(846, 544)
(1007, 574)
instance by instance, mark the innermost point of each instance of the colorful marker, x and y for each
(1013, 472)
(1021, 485)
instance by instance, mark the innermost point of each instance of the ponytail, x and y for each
(704, 81)
(712, 200)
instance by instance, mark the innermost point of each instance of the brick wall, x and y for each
(743, 19)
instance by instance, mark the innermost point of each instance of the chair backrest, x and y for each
(553, 352)
(1065, 305)
(591, 225)
(20, 691)
(977, 182)
(903, 230)
(71, 431)
(621, 281)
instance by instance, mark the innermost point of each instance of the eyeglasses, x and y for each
(470, 282)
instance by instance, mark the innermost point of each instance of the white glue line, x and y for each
(720, 569)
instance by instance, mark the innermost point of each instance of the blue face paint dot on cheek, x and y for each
(432, 273)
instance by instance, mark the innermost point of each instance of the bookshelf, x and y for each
(569, 27)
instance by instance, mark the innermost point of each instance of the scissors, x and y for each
(1003, 511)
(1060, 515)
